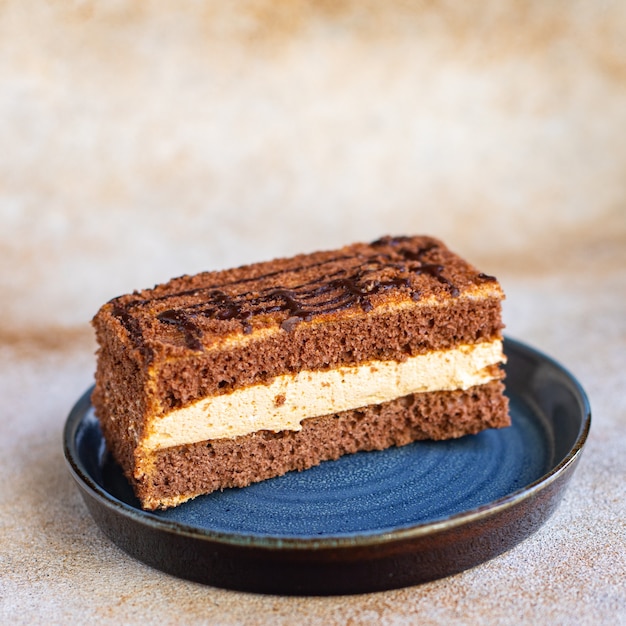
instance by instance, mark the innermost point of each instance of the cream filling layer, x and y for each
(288, 400)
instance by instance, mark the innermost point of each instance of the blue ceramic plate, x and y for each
(369, 521)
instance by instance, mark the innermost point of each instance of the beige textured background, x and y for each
(140, 141)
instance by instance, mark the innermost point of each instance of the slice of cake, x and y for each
(226, 378)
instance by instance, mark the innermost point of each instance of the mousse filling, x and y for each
(288, 400)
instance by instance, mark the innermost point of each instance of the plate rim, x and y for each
(356, 540)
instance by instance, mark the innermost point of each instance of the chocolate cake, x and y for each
(226, 378)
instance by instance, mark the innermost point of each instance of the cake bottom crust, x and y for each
(183, 472)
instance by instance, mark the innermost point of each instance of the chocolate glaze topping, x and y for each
(336, 283)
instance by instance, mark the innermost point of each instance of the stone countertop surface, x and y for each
(144, 142)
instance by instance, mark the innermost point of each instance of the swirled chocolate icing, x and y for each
(293, 290)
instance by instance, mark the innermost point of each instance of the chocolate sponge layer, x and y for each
(183, 472)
